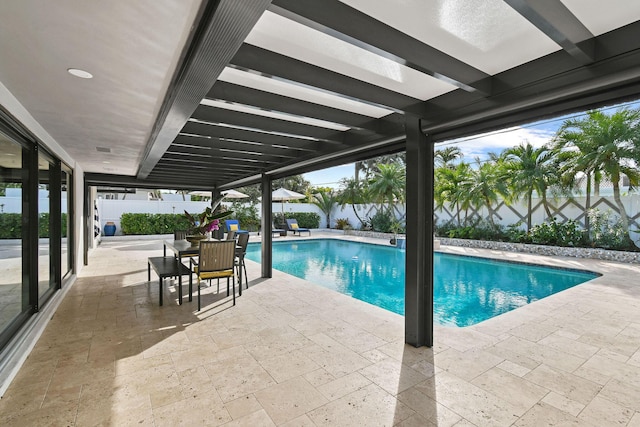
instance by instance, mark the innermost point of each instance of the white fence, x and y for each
(562, 209)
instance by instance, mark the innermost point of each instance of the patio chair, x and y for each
(241, 251)
(279, 231)
(292, 224)
(231, 235)
(216, 260)
(179, 234)
(234, 225)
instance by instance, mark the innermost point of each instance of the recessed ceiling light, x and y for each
(106, 162)
(80, 73)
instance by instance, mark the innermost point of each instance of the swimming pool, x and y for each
(467, 290)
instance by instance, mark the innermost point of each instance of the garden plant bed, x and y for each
(594, 253)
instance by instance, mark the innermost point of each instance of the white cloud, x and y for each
(481, 145)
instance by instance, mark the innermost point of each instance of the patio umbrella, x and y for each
(200, 193)
(283, 195)
(233, 194)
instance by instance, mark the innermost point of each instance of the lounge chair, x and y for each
(234, 225)
(292, 224)
(279, 231)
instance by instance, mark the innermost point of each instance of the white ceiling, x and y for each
(132, 49)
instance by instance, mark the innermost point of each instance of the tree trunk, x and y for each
(587, 206)
(529, 209)
(488, 203)
(623, 213)
(353, 206)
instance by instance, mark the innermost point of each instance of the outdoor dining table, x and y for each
(184, 248)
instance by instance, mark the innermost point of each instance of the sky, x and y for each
(537, 133)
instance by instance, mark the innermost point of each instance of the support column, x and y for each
(418, 316)
(265, 226)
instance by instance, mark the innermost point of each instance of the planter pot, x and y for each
(195, 239)
(109, 229)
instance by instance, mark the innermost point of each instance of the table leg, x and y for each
(179, 287)
(160, 286)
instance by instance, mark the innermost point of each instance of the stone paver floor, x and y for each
(295, 354)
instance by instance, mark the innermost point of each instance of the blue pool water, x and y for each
(467, 290)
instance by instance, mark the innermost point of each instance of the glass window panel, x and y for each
(11, 184)
(65, 209)
(44, 243)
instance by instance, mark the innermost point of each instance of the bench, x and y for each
(168, 266)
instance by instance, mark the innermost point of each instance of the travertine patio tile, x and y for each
(513, 368)
(543, 414)
(319, 377)
(541, 353)
(519, 392)
(563, 403)
(568, 385)
(242, 406)
(288, 400)
(112, 356)
(287, 366)
(467, 365)
(255, 419)
(623, 372)
(370, 406)
(428, 409)
(622, 393)
(392, 376)
(635, 420)
(569, 346)
(343, 385)
(198, 411)
(603, 412)
(469, 401)
(301, 421)
(234, 378)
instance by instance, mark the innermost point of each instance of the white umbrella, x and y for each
(282, 195)
(200, 193)
(233, 194)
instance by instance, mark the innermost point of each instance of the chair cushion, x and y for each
(216, 274)
(233, 227)
(294, 226)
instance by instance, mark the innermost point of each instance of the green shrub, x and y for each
(10, 226)
(382, 222)
(516, 234)
(606, 230)
(559, 234)
(143, 223)
(343, 224)
(480, 230)
(247, 216)
(305, 219)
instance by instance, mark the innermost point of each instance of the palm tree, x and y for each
(450, 187)
(352, 193)
(388, 185)
(325, 200)
(446, 156)
(529, 170)
(487, 185)
(608, 144)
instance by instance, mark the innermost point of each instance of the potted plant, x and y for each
(204, 222)
(396, 226)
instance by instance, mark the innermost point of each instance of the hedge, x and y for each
(305, 219)
(11, 225)
(144, 223)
